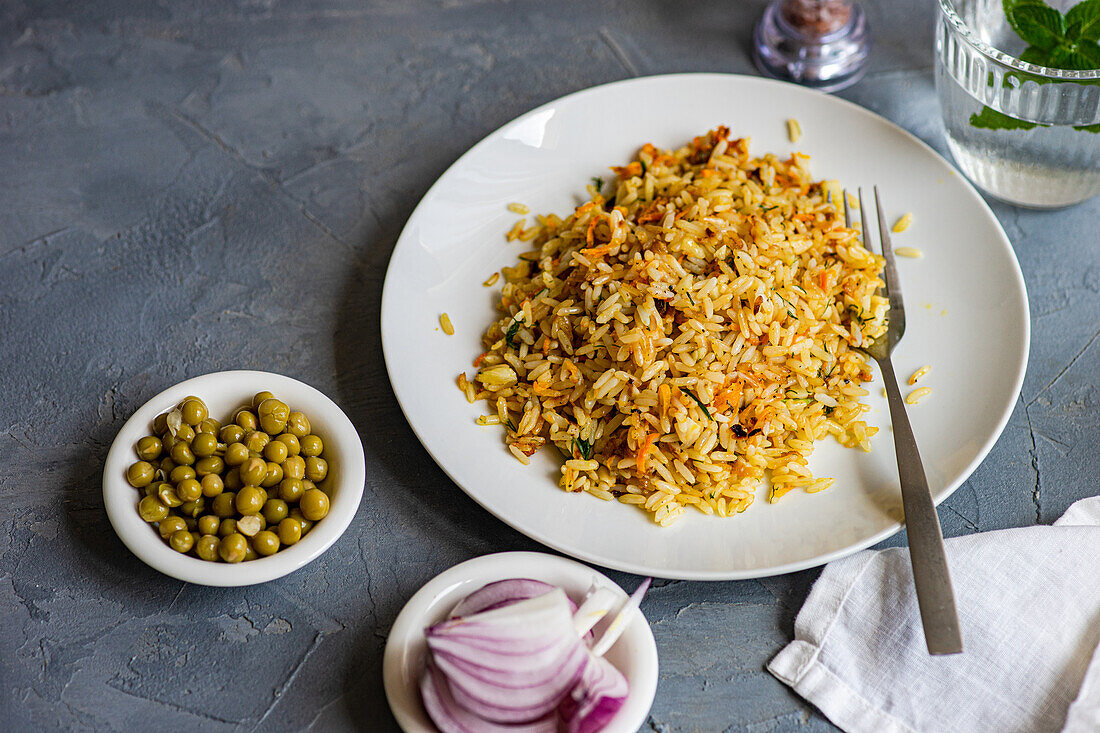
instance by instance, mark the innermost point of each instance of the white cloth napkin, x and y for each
(1029, 610)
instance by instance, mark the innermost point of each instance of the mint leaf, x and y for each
(1039, 25)
(1088, 128)
(1035, 55)
(1083, 21)
(1070, 58)
(991, 119)
(1090, 52)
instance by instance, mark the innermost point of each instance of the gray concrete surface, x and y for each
(188, 187)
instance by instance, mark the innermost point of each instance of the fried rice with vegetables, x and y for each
(687, 334)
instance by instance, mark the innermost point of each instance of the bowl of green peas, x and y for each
(234, 478)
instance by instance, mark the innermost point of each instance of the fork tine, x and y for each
(893, 286)
(863, 223)
(847, 213)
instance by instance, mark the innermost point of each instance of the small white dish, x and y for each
(634, 654)
(966, 316)
(223, 392)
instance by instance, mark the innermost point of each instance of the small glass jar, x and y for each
(822, 44)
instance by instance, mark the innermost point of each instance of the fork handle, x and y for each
(926, 550)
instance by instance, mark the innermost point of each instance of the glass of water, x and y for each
(1025, 133)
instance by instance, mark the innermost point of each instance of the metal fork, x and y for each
(926, 551)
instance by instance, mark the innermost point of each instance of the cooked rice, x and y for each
(915, 376)
(445, 322)
(794, 130)
(903, 223)
(691, 337)
(517, 208)
(491, 280)
(916, 394)
(908, 252)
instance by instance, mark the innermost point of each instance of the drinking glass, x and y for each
(1027, 134)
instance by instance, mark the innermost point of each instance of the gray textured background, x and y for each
(194, 186)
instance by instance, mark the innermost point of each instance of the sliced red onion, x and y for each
(596, 699)
(450, 717)
(512, 659)
(502, 593)
(596, 605)
(533, 638)
(619, 624)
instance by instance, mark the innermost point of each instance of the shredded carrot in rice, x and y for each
(643, 451)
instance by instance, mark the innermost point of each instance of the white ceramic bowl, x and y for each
(223, 392)
(634, 654)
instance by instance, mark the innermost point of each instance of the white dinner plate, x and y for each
(966, 315)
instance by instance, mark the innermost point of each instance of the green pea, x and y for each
(236, 454)
(259, 397)
(311, 445)
(249, 500)
(316, 468)
(233, 479)
(293, 447)
(207, 548)
(275, 510)
(210, 426)
(297, 424)
(209, 465)
(185, 434)
(256, 441)
(276, 451)
(291, 489)
(273, 415)
(253, 471)
(167, 495)
(182, 541)
(246, 419)
(194, 411)
(296, 514)
(204, 444)
(151, 510)
(181, 454)
(189, 489)
(227, 527)
(208, 524)
(212, 485)
(274, 475)
(160, 423)
(149, 448)
(231, 434)
(193, 508)
(224, 504)
(140, 474)
(170, 525)
(233, 548)
(294, 467)
(314, 505)
(250, 524)
(266, 542)
(290, 531)
(181, 473)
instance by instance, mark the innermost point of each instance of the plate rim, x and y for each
(719, 575)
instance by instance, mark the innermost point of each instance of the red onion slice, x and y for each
(502, 593)
(596, 699)
(450, 717)
(512, 664)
